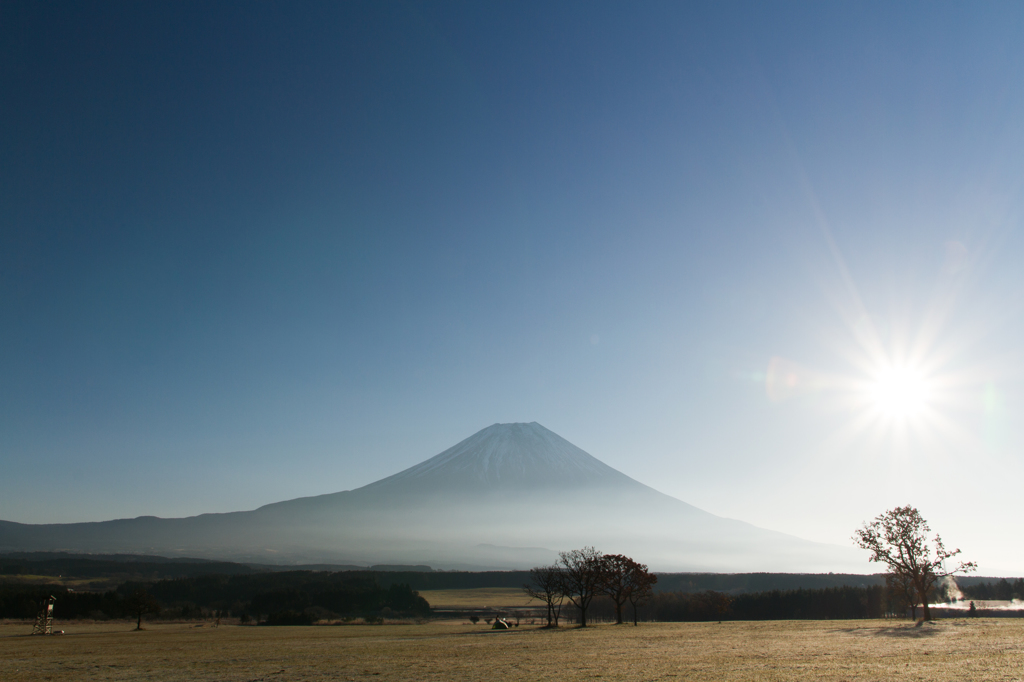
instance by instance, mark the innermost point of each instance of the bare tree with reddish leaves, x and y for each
(899, 539)
(622, 577)
(641, 587)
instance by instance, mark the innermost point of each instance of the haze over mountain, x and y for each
(509, 496)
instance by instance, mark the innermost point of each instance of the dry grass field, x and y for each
(479, 598)
(788, 650)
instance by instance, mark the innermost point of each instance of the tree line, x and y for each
(581, 575)
(830, 603)
(599, 586)
(1000, 590)
(22, 601)
(141, 568)
(300, 599)
(284, 597)
(296, 591)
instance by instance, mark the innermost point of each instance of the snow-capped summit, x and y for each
(508, 457)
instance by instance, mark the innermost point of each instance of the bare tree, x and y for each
(547, 585)
(582, 577)
(139, 604)
(899, 539)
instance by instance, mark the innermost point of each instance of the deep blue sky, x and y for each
(255, 251)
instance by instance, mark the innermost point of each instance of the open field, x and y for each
(90, 584)
(979, 649)
(479, 598)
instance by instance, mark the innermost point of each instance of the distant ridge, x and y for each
(508, 497)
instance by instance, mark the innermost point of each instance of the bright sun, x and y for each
(899, 392)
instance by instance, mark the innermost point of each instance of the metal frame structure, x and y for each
(44, 621)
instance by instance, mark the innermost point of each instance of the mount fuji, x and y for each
(509, 496)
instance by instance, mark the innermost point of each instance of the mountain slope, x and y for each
(508, 457)
(508, 496)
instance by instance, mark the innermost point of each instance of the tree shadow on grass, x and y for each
(908, 631)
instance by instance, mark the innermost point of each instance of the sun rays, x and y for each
(914, 383)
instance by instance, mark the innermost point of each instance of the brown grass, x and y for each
(479, 598)
(979, 649)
